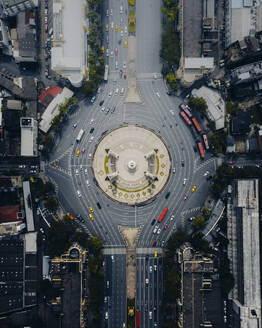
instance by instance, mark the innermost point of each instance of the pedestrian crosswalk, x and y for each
(203, 164)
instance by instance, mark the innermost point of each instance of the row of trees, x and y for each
(95, 60)
(46, 191)
(170, 52)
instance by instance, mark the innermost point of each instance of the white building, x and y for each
(216, 109)
(244, 252)
(52, 109)
(29, 131)
(69, 40)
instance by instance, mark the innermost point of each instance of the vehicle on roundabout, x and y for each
(91, 216)
(185, 197)
(194, 188)
(91, 209)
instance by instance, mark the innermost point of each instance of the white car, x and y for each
(81, 167)
(172, 217)
(116, 65)
(121, 9)
(92, 120)
(122, 91)
(124, 65)
(112, 53)
(155, 76)
(155, 267)
(91, 139)
(85, 171)
(107, 52)
(111, 12)
(112, 258)
(147, 281)
(106, 315)
(77, 172)
(174, 170)
(110, 94)
(125, 29)
(79, 193)
(103, 109)
(157, 94)
(112, 25)
(158, 231)
(184, 182)
(116, 91)
(206, 173)
(155, 229)
(150, 268)
(87, 182)
(172, 112)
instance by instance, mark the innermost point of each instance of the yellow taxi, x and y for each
(107, 27)
(193, 189)
(91, 209)
(91, 216)
(155, 254)
(102, 49)
(125, 44)
(77, 153)
(116, 28)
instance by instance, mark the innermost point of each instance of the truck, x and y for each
(138, 319)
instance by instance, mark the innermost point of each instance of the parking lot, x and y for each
(192, 24)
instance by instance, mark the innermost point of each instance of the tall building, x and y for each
(13, 7)
(244, 252)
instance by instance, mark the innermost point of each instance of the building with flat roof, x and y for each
(199, 304)
(195, 67)
(28, 207)
(216, 109)
(244, 252)
(29, 131)
(13, 7)
(52, 109)
(69, 43)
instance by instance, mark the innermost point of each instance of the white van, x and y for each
(122, 91)
(116, 91)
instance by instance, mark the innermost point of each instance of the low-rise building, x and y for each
(216, 109)
(195, 67)
(29, 130)
(244, 252)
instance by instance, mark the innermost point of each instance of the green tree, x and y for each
(95, 245)
(198, 223)
(198, 103)
(172, 81)
(51, 203)
(231, 108)
(206, 212)
(48, 141)
(170, 45)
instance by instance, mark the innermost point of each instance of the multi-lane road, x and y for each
(72, 174)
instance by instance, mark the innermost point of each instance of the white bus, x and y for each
(80, 135)
(106, 73)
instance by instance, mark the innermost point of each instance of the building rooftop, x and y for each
(215, 103)
(69, 53)
(28, 207)
(28, 136)
(52, 109)
(199, 63)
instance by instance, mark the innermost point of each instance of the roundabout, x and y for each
(131, 164)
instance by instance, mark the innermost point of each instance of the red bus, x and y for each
(186, 109)
(204, 136)
(161, 218)
(185, 117)
(201, 149)
(137, 319)
(198, 128)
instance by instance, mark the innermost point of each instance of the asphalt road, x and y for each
(72, 174)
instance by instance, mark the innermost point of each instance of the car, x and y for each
(193, 188)
(153, 222)
(150, 268)
(162, 243)
(185, 197)
(116, 28)
(157, 94)
(91, 209)
(147, 281)
(77, 172)
(107, 110)
(98, 205)
(121, 21)
(83, 150)
(79, 193)
(122, 91)
(122, 32)
(91, 139)
(93, 99)
(121, 9)
(85, 171)
(105, 299)
(184, 182)
(206, 173)
(112, 53)
(150, 315)
(107, 27)
(158, 231)
(209, 178)
(155, 254)
(125, 44)
(91, 130)
(172, 112)
(112, 25)
(155, 76)
(172, 217)
(124, 65)
(116, 91)
(91, 216)
(103, 49)
(155, 267)
(42, 230)
(116, 64)
(87, 182)
(107, 284)
(112, 258)
(103, 109)
(81, 167)
(107, 12)
(154, 242)
(125, 29)
(110, 94)
(111, 12)
(74, 125)
(107, 39)
(182, 163)
(116, 51)
(165, 226)
(106, 315)
(101, 102)
(174, 170)
(89, 155)
(107, 52)
(191, 219)
(167, 195)
(155, 229)
(78, 153)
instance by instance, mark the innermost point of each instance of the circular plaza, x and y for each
(131, 164)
